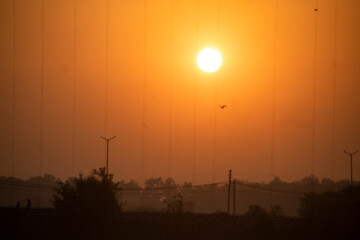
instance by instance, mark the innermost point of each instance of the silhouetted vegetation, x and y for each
(38, 189)
(87, 206)
(159, 195)
(332, 204)
(341, 208)
(257, 218)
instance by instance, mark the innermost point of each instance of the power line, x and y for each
(179, 187)
(195, 98)
(34, 187)
(268, 189)
(272, 153)
(106, 70)
(143, 99)
(195, 189)
(314, 88)
(171, 89)
(14, 187)
(334, 88)
(13, 99)
(188, 176)
(216, 100)
(73, 130)
(41, 127)
(284, 195)
(274, 79)
(247, 175)
(174, 187)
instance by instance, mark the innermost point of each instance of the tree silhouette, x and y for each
(86, 206)
(339, 208)
(276, 211)
(258, 222)
(255, 211)
(343, 204)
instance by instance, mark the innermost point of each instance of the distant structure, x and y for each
(351, 174)
(107, 152)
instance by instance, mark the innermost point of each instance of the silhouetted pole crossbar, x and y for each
(351, 174)
(107, 152)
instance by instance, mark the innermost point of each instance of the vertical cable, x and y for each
(274, 78)
(171, 89)
(13, 104)
(144, 99)
(334, 89)
(195, 98)
(106, 71)
(41, 129)
(215, 101)
(314, 88)
(73, 132)
(106, 86)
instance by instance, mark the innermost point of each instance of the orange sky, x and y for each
(156, 101)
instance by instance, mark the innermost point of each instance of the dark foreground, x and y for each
(42, 224)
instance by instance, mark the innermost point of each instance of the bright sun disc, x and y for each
(209, 60)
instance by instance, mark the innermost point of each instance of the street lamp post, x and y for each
(351, 175)
(107, 152)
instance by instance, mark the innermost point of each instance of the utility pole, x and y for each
(234, 205)
(107, 152)
(228, 205)
(351, 175)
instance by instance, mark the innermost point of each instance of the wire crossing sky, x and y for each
(74, 70)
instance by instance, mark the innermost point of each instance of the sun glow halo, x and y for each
(209, 60)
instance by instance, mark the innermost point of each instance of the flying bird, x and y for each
(222, 106)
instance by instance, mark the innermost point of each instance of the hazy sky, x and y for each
(72, 71)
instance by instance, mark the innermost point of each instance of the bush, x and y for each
(87, 206)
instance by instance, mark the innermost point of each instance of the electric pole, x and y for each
(234, 207)
(228, 205)
(351, 175)
(107, 152)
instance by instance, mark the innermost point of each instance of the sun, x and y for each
(209, 60)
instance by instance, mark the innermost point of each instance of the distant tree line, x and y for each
(160, 194)
(91, 207)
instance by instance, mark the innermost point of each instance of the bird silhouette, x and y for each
(222, 106)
